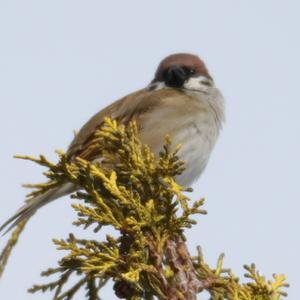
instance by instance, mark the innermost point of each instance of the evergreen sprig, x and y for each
(140, 199)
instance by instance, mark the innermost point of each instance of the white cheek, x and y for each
(156, 86)
(197, 84)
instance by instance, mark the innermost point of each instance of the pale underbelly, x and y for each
(197, 141)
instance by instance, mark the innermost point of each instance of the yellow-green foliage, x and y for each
(141, 200)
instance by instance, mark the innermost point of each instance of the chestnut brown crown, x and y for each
(178, 67)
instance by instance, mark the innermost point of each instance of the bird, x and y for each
(181, 101)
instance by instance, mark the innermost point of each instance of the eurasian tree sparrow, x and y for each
(181, 101)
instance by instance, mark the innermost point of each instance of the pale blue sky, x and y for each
(61, 61)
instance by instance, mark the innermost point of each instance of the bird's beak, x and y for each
(175, 76)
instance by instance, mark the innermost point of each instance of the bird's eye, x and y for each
(189, 71)
(192, 71)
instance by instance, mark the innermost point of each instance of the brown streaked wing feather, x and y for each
(131, 107)
(116, 110)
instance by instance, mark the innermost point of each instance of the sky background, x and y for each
(62, 61)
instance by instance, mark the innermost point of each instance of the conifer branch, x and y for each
(10, 245)
(141, 200)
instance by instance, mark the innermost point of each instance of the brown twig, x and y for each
(184, 284)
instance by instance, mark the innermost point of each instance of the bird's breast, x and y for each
(193, 125)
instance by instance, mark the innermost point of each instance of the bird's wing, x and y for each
(131, 107)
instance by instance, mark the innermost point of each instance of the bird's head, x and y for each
(182, 71)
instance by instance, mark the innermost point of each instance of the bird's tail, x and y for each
(33, 204)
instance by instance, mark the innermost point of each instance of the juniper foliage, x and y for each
(141, 200)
